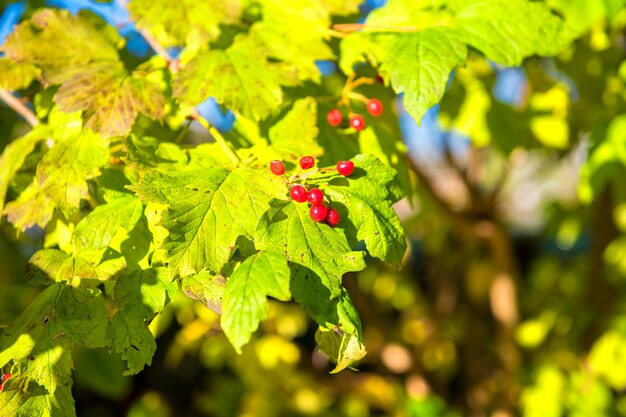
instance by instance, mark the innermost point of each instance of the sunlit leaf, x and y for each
(140, 296)
(245, 296)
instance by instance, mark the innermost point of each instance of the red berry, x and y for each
(375, 107)
(345, 168)
(277, 167)
(316, 196)
(357, 122)
(307, 162)
(332, 218)
(334, 117)
(298, 193)
(318, 212)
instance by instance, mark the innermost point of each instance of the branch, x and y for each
(477, 205)
(159, 49)
(353, 27)
(17, 105)
(426, 184)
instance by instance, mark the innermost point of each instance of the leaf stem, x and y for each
(17, 105)
(357, 96)
(219, 139)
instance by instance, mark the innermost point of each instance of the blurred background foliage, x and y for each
(512, 291)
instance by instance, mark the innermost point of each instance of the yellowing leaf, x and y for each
(343, 348)
(14, 156)
(207, 288)
(110, 98)
(60, 181)
(62, 45)
(80, 53)
(14, 76)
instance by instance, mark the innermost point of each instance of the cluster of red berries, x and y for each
(319, 211)
(373, 105)
(4, 379)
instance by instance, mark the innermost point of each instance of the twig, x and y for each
(155, 45)
(17, 105)
(353, 27)
(475, 202)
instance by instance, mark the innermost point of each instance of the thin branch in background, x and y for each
(17, 105)
(353, 27)
(357, 27)
(159, 49)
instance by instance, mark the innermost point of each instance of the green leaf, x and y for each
(295, 33)
(185, 22)
(61, 179)
(110, 98)
(97, 229)
(245, 304)
(300, 121)
(14, 76)
(418, 61)
(35, 400)
(141, 295)
(364, 202)
(42, 337)
(419, 64)
(380, 141)
(47, 266)
(508, 31)
(361, 46)
(240, 78)
(208, 209)
(206, 288)
(323, 251)
(147, 152)
(14, 156)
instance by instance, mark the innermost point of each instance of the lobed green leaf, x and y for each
(140, 296)
(208, 209)
(245, 303)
